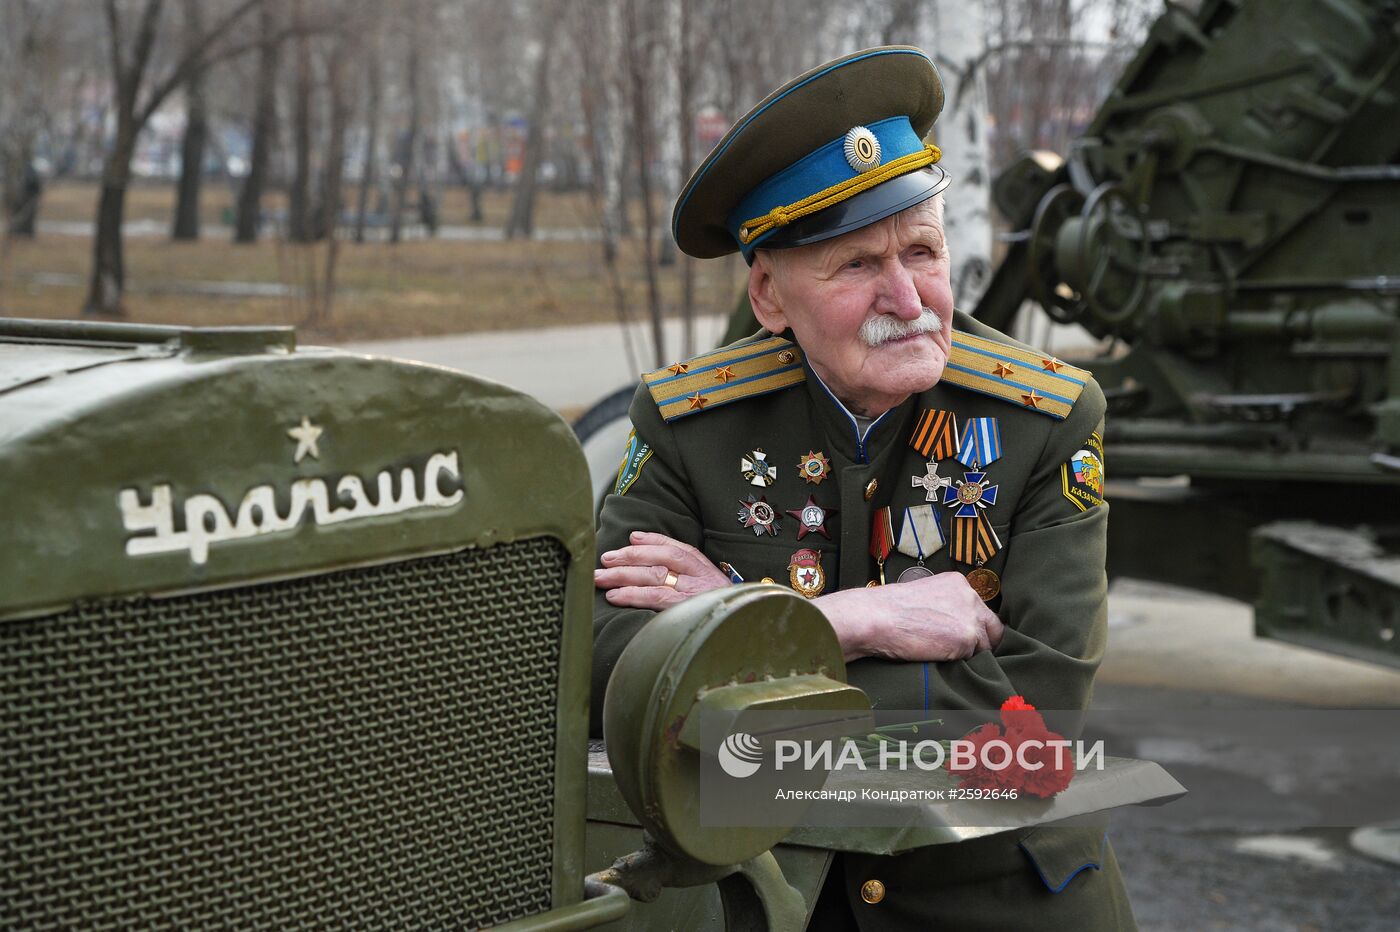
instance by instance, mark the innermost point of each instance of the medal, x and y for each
(805, 573)
(756, 469)
(971, 494)
(811, 518)
(935, 434)
(985, 583)
(973, 540)
(980, 445)
(814, 467)
(921, 533)
(931, 482)
(759, 515)
(881, 539)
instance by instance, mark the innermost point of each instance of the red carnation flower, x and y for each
(1022, 724)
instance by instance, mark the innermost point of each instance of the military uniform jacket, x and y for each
(683, 477)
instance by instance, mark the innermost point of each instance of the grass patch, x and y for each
(415, 288)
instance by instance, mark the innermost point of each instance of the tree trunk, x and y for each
(368, 163)
(410, 146)
(299, 226)
(332, 177)
(264, 121)
(23, 187)
(108, 278)
(522, 208)
(638, 60)
(685, 87)
(185, 225)
(468, 178)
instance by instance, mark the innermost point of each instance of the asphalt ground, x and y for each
(1202, 865)
(1203, 862)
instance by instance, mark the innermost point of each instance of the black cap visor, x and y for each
(863, 209)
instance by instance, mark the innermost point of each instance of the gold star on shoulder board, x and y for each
(679, 368)
(1051, 365)
(723, 374)
(1032, 400)
(697, 401)
(1002, 370)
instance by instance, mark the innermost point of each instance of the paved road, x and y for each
(1199, 863)
(564, 367)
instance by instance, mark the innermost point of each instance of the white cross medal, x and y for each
(757, 470)
(921, 535)
(931, 482)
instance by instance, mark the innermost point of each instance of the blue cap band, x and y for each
(818, 171)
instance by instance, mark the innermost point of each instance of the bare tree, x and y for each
(599, 47)
(136, 100)
(185, 225)
(29, 66)
(522, 211)
(374, 78)
(249, 217)
(641, 42)
(300, 228)
(408, 144)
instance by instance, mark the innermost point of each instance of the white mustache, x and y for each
(885, 327)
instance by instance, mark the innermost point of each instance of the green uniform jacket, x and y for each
(1051, 564)
(690, 486)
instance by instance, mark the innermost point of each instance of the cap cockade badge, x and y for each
(862, 149)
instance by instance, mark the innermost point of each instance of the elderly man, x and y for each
(933, 486)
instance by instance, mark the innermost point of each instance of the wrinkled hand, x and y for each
(635, 576)
(936, 618)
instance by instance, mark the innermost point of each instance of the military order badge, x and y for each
(759, 515)
(757, 470)
(1082, 477)
(814, 467)
(812, 518)
(805, 573)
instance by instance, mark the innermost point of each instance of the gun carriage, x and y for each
(1228, 229)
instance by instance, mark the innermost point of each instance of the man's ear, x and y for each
(763, 293)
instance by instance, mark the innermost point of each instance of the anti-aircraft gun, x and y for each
(296, 638)
(1229, 227)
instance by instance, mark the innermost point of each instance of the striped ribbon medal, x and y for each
(935, 434)
(980, 444)
(881, 541)
(973, 540)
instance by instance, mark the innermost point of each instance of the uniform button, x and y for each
(786, 357)
(768, 579)
(872, 891)
(870, 489)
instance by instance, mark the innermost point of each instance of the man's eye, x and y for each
(855, 264)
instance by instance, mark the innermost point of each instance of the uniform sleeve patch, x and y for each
(634, 457)
(1082, 477)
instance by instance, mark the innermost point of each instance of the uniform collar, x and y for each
(840, 425)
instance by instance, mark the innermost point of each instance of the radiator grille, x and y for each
(370, 747)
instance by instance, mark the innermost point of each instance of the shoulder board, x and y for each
(1022, 377)
(726, 375)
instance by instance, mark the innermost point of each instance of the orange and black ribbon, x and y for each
(881, 539)
(973, 540)
(935, 434)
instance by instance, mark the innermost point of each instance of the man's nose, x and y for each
(899, 296)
